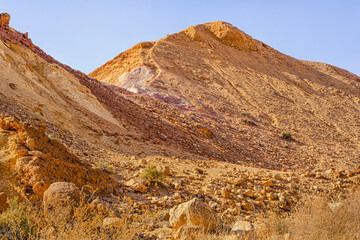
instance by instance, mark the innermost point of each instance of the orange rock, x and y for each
(3, 202)
(4, 20)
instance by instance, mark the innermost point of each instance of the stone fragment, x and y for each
(225, 192)
(13, 86)
(242, 227)
(136, 186)
(3, 202)
(199, 170)
(250, 193)
(269, 183)
(193, 212)
(247, 206)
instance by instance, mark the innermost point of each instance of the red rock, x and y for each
(199, 170)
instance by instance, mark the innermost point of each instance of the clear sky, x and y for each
(85, 34)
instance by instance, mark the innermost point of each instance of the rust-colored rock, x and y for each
(4, 20)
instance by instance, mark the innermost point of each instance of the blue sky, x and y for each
(85, 34)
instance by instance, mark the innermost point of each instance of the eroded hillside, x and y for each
(246, 92)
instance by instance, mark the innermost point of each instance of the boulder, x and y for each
(3, 202)
(269, 183)
(60, 193)
(242, 227)
(193, 212)
(225, 192)
(136, 186)
(189, 232)
(250, 193)
(4, 20)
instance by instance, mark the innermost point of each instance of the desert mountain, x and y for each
(242, 95)
(207, 113)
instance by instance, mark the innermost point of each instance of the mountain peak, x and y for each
(223, 32)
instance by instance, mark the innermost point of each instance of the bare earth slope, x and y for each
(247, 93)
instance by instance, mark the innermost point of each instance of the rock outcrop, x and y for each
(4, 20)
(40, 160)
(193, 212)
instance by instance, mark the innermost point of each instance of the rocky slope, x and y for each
(243, 94)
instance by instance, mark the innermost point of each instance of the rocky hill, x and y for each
(244, 97)
(207, 113)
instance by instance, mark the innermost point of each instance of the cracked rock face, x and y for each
(4, 20)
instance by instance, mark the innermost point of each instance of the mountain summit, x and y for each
(246, 92)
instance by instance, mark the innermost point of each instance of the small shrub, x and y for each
(286, 135)
(152, 174)
(316, 219)
(16, 222)
(106, 167)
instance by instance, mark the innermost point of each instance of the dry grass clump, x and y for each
(25, 221)
(17, 222)
(151, 174)
(106, 167)
(319, 219)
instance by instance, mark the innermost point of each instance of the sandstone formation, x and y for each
(193, 212)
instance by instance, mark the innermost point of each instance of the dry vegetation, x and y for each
(315, 218)
(318, 218)
(25, 221)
